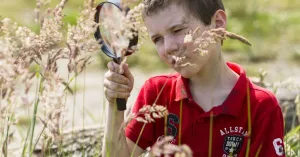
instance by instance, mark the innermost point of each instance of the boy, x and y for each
(209, 88)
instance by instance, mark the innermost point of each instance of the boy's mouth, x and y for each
(178, 61)
(173, 61)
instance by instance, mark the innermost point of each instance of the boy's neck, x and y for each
(215, 81)
(215, 73)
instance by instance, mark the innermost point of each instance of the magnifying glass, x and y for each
(111, 35)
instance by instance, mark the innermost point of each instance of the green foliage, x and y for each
(292, 141)
(270, 25)
(296, 54)
(270, 30)
(71, 16)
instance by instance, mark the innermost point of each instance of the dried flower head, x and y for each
(148, 113)
(165, 147)
(203, 42)
(80, 40)
(211, 37)
(20, 48)
(52, 101)
(136, 22)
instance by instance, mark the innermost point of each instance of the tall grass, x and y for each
(22, 48)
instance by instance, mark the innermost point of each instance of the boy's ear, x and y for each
(220, 19)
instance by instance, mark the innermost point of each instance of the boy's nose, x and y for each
(170, 45)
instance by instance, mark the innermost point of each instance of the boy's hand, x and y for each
(118, 82)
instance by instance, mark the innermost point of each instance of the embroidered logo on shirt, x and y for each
(233, 140)
(232, 144)
(173, 120)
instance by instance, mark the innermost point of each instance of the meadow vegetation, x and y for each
(29, 57)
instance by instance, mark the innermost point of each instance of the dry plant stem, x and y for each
(83, 99)
(238, 37)
(258, 151)
(38, 139)
(180, 124)
(138, 139)
(165, 125)
(40, 80)
(5, 146)
(297, 102)
(6, 134)
(25, 142)
(74, 103)
(249, 121)
(62, 125)
(37, 10)
(210, 134)
(161, 90)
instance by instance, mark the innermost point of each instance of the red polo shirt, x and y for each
(230, 133)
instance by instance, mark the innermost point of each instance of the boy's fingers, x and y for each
(170, 148)
(116, 86)
(114, 77)
(110, 94)
(112, 66)
(127, 73)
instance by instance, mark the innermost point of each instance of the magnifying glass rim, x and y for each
(98, 36)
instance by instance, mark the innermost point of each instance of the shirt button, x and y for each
(199, 120)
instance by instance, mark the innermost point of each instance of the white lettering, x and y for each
(240, 129)
(222, 133)
(277, 143)
(230, 129)
(226, 131)
(236, 129)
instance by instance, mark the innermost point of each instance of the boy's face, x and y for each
(167, 30)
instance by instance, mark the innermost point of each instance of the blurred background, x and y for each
(272, 26)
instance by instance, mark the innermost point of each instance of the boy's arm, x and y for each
(118, 84)
(138, 132)
(112, 146)
(268, 132)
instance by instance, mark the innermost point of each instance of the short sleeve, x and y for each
(268, 131)
(146, 96)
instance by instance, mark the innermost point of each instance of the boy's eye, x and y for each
(177, 30)
(155, 40)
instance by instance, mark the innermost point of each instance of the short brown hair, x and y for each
(201, 9)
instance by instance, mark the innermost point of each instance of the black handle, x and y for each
(121, 104)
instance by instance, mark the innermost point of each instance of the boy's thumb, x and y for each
(127, 73)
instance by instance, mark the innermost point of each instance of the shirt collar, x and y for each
(233, 104)
(182, 88)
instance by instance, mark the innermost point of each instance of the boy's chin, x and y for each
(186, 74)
